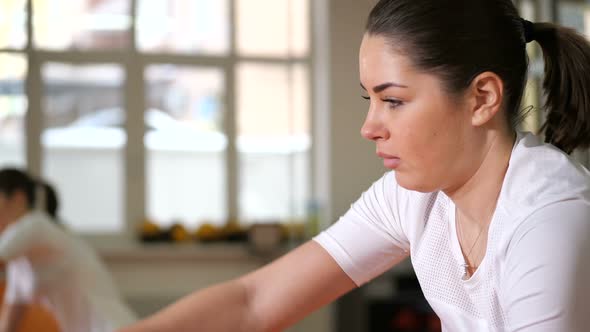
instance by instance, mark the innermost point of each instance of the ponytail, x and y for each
(566, 86)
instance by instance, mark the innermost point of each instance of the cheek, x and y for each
(419, 136)
(430, 141)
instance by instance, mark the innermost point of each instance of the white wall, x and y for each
(354, 165)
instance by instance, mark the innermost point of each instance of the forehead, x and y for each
(378, 57)
(380, 62)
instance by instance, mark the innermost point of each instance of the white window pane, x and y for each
(273, 27)
(13, 106)
(185, 145)
(300, 26)
(199, 26)
(83, 143)
(13, 22)
(575, 15)
(81, 24)
(273, 141)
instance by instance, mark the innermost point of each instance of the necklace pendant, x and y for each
(465, 271)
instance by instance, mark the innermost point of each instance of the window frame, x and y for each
(134, 62)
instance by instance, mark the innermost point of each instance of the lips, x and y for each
(386, 156)
(389, 161)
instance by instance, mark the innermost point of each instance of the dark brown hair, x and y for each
(459, 39)
(13, 180)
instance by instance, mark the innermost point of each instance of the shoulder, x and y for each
(565, 221)
(540, 174)
(545, 202)
(555, 235)
(394, 209)
(36, 229)
(28, 225)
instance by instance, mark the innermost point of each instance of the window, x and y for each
(13, 106)
(81, 25)
(274, 156)
(202, 117)
(83, 141)
(186, 145)
(575, 15)
(197, 26)
(13, 34)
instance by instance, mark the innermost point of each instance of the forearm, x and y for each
(222, 307)
(11, 316)
(266, 300)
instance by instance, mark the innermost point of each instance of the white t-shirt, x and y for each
(46, 263)
(536, 272)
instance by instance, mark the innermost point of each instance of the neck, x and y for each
(476, 198)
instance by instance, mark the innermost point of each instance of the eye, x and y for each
(366, 97)
(393, 103)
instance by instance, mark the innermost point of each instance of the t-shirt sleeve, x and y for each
(369, 238)
(545, 280)
(19, 237)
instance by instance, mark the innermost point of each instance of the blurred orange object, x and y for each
(36, 317)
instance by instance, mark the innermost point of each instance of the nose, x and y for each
(373, 128)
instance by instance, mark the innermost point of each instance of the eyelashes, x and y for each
(393, 103)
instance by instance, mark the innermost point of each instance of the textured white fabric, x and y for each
(46, 263)
(534, 276)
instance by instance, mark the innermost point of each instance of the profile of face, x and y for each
(12, 207)
(420, 130)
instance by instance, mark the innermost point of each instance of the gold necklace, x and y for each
(466, 265)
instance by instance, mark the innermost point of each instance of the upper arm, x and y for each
(294, 285)
(545, 281)
(365, 242)
(371, 238)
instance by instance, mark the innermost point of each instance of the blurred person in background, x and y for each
(46, 264)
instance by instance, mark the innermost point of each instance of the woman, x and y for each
(47, 265)
(495, 221)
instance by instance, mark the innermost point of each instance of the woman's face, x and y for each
(11, 207)
(419, 130)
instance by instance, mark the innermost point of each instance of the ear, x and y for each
(486, 92)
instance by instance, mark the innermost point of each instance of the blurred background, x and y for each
(204, 116)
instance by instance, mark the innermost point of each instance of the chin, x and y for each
(414, 183)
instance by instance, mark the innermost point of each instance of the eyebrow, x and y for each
(384, 86)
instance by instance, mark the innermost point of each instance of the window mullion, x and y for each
(320, 108)
(34, 116)
(33, 86)
(135, 179)
(230, 119)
